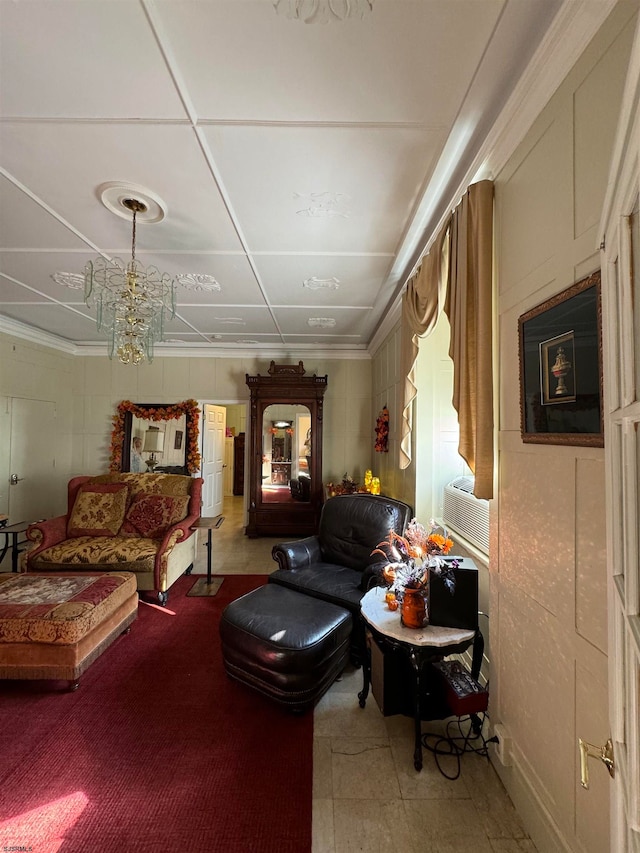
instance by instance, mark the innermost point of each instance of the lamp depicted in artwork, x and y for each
(153, 444)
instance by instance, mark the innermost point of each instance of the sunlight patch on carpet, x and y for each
(46, 825)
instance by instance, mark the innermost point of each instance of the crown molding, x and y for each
(391, 318)
(36, 336)
(28, 333)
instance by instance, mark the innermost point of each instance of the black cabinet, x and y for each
(393, 684)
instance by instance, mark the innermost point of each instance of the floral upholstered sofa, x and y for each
(141, 523)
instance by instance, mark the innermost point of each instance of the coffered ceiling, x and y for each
(302, 166)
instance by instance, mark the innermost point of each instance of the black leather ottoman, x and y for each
(288, 646)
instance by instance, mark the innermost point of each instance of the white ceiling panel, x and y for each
(243, 321)
(371, 70)
(26, 224)
(339, 189)
(81, 157)
(283, 152)
(331, 279)
(348, 321)
(96, 59)
(11, 291)
(34, 269)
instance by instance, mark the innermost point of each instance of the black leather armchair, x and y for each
(332, 566)
(301, 488)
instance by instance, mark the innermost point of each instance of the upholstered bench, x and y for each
(290, 647)
(55, 626)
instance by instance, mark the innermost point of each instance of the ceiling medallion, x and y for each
(322, 322)
(315, 283)
(197, 281)
(72, 280)
(324, 205)
(322, 11)
(115, 194)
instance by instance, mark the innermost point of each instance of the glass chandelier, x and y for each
(322, 11)
(132, 301)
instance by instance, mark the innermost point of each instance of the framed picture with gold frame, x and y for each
(560, 350)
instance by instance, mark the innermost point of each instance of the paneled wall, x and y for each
(101, 384)
(32, 372)
(388, 390)
(548, 579)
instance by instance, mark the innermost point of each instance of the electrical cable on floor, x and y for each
(456, 745)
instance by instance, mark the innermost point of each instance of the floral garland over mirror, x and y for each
(189, 408)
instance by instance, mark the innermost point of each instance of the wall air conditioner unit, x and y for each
(465, 514)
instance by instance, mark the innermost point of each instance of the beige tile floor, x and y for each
(366, 794)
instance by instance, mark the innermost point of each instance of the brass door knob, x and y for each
(604, 753)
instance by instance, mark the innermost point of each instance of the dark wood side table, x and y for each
(12, 534)
(208, 523)
(419, 646)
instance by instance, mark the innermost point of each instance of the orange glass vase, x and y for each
(413, 611)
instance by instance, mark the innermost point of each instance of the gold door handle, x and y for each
(604, 753)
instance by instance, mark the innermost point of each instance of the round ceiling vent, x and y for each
(117, 196)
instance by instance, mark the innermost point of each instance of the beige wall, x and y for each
(33, 372)
(388, 390)
(548, 581)
(88, 389)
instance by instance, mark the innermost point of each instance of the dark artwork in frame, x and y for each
(560, 348)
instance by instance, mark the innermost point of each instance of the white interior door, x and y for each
(213, 444)
(32, 460)
(620, 257)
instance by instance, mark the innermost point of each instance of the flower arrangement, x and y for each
(161, 413)
(347, 486)
(410, 558)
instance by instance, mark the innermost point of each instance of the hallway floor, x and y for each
(366, 794)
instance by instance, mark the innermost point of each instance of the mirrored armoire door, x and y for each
(285, 456)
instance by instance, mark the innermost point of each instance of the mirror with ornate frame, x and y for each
(155, 437)
(285, 476)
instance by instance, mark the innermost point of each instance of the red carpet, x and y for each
(158, 750)
(273, 495)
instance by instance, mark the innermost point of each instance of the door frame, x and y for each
(622, 421)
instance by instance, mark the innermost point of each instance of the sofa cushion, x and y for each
(98, 510)
(152, 515)
(150, 484)
(132, 555)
